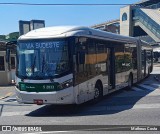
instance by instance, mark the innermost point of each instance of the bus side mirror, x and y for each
(8, 55)
(10, 46)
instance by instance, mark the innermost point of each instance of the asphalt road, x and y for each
(139, 106)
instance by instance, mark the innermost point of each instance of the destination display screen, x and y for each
(41, 59)
(56, 45)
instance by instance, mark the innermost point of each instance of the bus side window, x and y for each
(81, 51)
(134, 56)
(143, 64)
(148, 56)
(86, 57)
(101, 56)
(128, 56)
(91, 58)
(119, 58)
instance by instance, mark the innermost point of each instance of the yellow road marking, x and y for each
(4, 88)
(7, 95)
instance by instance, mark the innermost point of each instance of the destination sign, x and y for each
(41, 45)
(40, 87)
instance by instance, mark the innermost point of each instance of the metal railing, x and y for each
(139, 15)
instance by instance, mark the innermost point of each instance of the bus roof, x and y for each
(67, 31)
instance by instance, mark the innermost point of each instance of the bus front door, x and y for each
(111, 69)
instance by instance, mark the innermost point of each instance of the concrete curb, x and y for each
(4, 87)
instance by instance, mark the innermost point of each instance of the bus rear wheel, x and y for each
(130, 81)
(98, 93)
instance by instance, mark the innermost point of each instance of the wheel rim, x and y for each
(97, 93)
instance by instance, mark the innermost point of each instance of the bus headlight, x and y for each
(65, 84)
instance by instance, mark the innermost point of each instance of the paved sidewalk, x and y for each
(6, 91)
(156, 72)
(156, 64)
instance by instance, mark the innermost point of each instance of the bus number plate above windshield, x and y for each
(48, 87)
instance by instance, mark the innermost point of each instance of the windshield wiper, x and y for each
(23, 77)
(37, 77)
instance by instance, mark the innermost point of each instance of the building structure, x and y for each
(109, 26)
(8, 58)
(7, 69)
(141, 19)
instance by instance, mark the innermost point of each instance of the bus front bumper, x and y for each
(57, 97)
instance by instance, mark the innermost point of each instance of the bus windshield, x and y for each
(41, 59)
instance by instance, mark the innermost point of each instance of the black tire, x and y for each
(98, 93)
(130, 81)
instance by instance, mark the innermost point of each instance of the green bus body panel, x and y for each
(38, 87)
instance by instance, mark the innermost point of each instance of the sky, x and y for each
(58, 15)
